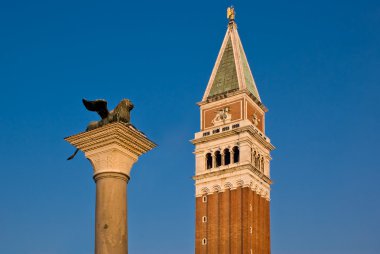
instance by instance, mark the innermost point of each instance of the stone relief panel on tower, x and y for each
(223, 114)
(255, 115)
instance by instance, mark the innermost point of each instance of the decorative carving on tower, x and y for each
(255, 120)
(222, 116)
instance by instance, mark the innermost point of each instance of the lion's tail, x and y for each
(73, 155)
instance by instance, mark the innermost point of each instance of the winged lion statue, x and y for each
(121, 113)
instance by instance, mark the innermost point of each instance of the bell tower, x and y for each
(232, 154)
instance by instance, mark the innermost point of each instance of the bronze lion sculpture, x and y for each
(121, 113)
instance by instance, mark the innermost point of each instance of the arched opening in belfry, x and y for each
(218, 159)
(262, 164)
(236, 154)
(208, 161)
(227, 156)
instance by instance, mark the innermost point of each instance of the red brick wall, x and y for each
(255, 233)
(213, 223)
(230, 216)
(267, 214)
(200, 227)
(224, 222)
(235, 225)
(260, 225)
(246, 223)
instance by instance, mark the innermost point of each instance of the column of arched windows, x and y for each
(226, 157)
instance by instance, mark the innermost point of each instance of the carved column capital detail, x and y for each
(113, 148)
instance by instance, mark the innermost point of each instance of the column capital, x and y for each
(112, 148)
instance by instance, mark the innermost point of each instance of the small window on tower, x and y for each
(226, 128)
(207, 133)
(208, 161)
(204, 219)
(204, 199)
(204, 241)
(235, 126)
(216, 131)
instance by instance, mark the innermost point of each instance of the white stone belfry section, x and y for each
(112, 151)
(243, 173)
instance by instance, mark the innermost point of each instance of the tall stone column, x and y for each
(112, 151)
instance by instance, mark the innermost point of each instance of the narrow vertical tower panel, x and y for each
(232, 154)
(212, 221)
(224, 222)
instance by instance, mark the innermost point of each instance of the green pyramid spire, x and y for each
(226, 78)
(231, 71)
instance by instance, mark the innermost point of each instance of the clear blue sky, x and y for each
(316, 64)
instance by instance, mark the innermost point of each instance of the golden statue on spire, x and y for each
(231, 13)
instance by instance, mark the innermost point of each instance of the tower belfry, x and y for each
(232, 153)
